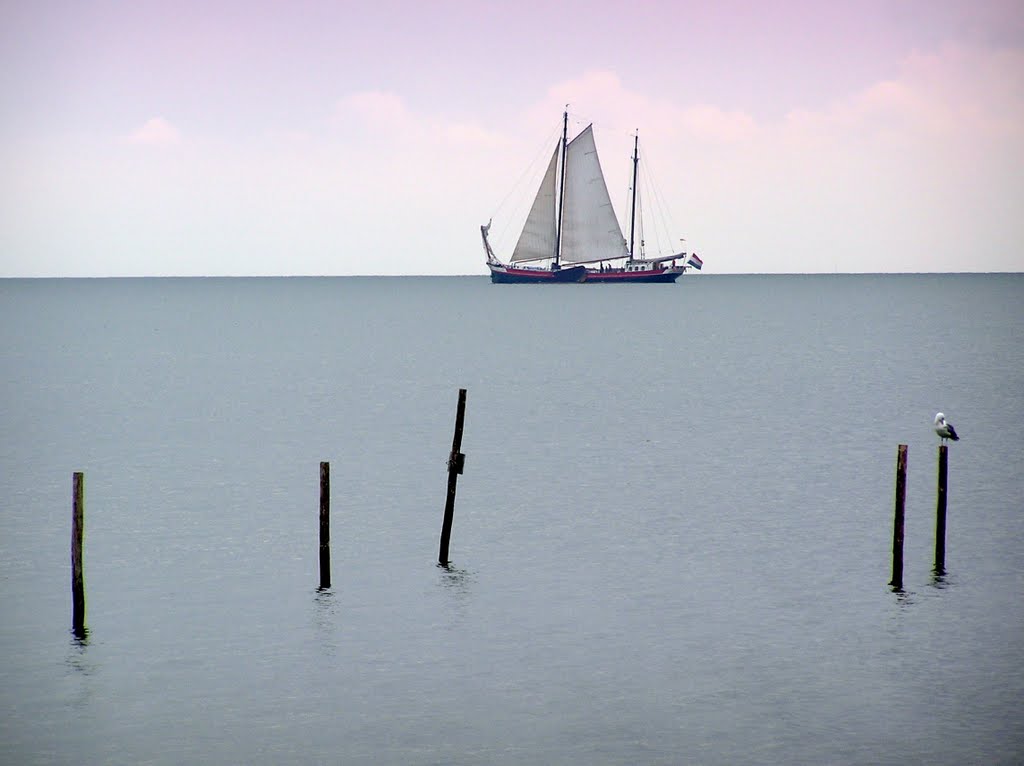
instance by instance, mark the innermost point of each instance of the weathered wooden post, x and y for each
(77, 533)
(456, 463)
(940, 513)
(325, 525)
(897, 527)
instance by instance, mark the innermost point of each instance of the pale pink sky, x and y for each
(154, 138)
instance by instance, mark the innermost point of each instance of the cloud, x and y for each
(716, 124)
(470, 134)
(903, 173)
(386, 115)
(937, 141)
(954, 92)
(375, 108)
(156, 132)
(601, 97)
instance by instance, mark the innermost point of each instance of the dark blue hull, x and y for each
(510, 275)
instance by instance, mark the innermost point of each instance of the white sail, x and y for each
(539, 233)
(590, 230)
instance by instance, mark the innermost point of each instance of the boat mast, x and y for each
(561, 186)
(632, 219)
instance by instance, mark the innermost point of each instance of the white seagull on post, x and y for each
(943, 429)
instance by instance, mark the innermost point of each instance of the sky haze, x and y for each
(323, 138)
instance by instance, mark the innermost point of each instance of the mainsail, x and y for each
(540, 231)
(590, 230)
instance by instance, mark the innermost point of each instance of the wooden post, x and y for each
(940, 513)
(897, 527)
(77, 533)
(325, 525)
(456, 463)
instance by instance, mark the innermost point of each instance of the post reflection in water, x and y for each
(325, 609)
(82, 670)
(458, 582)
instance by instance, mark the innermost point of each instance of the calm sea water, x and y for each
(671, 543)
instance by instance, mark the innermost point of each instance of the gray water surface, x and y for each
(671, 545)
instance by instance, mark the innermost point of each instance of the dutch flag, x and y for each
(695, 261)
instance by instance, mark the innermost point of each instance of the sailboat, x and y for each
(572, 234)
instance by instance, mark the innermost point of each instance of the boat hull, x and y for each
(510, 275)
(663, 276)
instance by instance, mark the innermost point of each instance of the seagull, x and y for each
(943, 429)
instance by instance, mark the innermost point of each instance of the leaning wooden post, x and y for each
(77, 533)
(456, 463)
(325, 525)
(897, 526)
(940, 513)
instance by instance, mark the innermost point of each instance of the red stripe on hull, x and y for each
(664, 275)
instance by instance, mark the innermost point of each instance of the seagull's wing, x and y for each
(952, 432)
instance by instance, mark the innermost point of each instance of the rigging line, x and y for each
(654, 234)
(578, 121)
(644, 203)
(661, 196)
(608, 132)
(631, 182)
(531, 169)
(664, 218)
(656, 213)
(641, 241)
(626, 204)
(659, 202)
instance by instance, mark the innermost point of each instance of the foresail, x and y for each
(590, 230)
(538, 237)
